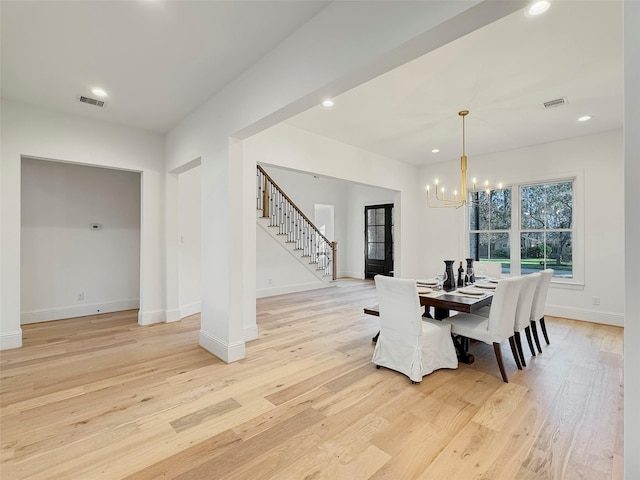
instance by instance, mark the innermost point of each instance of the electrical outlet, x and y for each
(595, 300)
(81, 296)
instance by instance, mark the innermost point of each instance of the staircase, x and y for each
(285, 222)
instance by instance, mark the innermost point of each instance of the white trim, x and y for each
(358, 275)
(9, 340)
(172, 315)
(250, 333)
(149, 318)
(297, 287)
(606, 318)
(190, 309)
(38, 316)
(226, 352)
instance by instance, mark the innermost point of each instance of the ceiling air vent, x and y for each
(90, 101)
(556, 103)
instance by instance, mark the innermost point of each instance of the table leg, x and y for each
(440, 313)
(463, 354)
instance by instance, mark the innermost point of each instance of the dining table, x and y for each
(443, 302)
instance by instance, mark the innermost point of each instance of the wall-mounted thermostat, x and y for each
(96, 226)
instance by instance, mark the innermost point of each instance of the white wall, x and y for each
(189, 246)
(349, 200)
(278, 271)
(33, 132)
(352, 251)
(351, 42)
(598, 159)
(374, 175)
(62, 257)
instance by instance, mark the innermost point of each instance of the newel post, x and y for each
(334, 256)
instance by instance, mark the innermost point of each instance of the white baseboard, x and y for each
(250, 333)
(149, 318)
(606, 318)
(282, 289)
(226, 352)
(358, 275)
(190, 309)
(77, 311)
(172, 315)
(10, 340)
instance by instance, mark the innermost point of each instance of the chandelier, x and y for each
(463, 200)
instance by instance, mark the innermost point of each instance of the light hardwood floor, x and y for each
(102, 398)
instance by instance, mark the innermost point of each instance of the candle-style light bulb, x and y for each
(474, 184)
(455, 195)
(500, 186)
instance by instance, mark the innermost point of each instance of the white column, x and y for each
(152, 248)
(244, 175)
(172, 254)
(632, 234)
(10, 331)
(221, 331)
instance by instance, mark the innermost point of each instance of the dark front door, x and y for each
(378, 233)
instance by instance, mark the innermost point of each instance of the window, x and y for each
(546, 228)
(543, 225)
(490, 227)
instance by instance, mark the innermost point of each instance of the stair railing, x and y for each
(284, 214)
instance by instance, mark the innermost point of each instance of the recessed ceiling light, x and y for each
(435, 150)
(538, 8)
(327, 103)
(98, 92)
(584, 118)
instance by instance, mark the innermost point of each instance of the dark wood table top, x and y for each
(448, 301)
(458, 303)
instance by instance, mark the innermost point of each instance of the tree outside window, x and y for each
(546, 228)
(490, 226)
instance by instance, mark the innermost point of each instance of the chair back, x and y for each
(400, 310)
(540, 297)
(528, 285)
(503, 308)
(491, 269)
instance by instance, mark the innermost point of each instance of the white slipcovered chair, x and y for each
(409, 343)
(537, 309)
(528, 284)
(498, 326)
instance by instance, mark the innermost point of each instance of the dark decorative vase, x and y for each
(470, 276)
(450, 282)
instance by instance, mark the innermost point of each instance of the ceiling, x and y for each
(160, 60)
(157, 60)
(502, 74)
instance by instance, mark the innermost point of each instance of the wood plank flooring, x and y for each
(100, 397)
